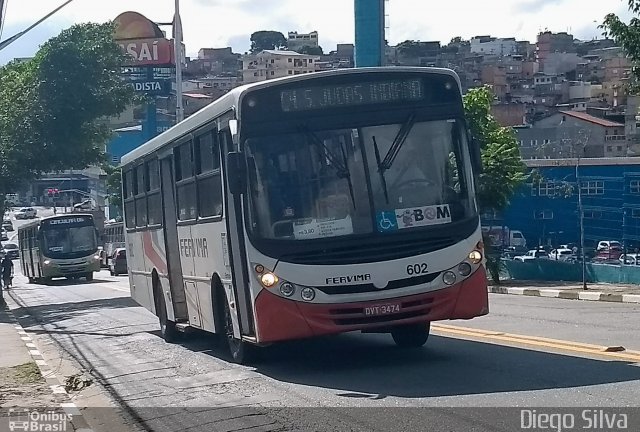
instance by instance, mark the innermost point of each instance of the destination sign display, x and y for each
(74, 220)
(346, 95)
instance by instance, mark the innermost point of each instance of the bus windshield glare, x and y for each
(62, 241)
(375, 179)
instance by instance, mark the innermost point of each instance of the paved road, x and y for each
(332, 380)
(105, 331)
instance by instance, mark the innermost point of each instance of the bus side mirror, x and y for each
(476, 154)
(236, 172)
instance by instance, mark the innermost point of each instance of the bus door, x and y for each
(237, 249)
(170, 223)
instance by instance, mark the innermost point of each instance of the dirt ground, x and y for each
(24, 386)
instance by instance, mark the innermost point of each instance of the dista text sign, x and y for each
(158, 87)
(148, 51)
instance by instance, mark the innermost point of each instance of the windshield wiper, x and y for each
(342, 168)
(397, 143)
(383, 180)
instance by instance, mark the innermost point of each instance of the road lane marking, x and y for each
(501, 338)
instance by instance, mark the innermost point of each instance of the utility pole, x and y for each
(177, 49)
(581, 216)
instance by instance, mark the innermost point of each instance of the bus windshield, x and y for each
(333, 183)
(68, 242)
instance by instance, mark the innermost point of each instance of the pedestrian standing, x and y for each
(7, 271)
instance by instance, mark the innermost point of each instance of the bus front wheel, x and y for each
(241, 351)
(411, 335)
(168, 328)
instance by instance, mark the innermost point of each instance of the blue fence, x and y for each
(550, 270)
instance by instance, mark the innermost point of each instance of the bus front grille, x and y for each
(370, 252)
(364, 288)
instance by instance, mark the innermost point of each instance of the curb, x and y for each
(569, 295)
(62, 397)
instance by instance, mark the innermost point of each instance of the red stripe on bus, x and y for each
(150, 252)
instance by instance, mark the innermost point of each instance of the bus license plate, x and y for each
(382, 309)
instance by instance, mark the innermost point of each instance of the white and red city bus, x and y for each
(308, 205)
(64, 245)
(112, 238)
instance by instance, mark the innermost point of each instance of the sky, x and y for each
(222, 23)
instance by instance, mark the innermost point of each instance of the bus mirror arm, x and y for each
(236, 172)
(476, 155)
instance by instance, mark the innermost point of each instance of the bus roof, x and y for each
(231, 100)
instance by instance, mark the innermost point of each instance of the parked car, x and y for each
(630, 259)
(6, 224)
(608, 244)
(4, 235)
(26, 213)
(533, 255)
(608, 255)
(11, 249)
(118, 262)
(560, 254)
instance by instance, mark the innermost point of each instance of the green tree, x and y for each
(503, 169)
(626, 36)
(52, 108)
(415, 49)
(310, 50)
(267, 40)
(114, 185)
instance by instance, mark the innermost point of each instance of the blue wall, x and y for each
(369, 37)
(611, 210)
(123, 143)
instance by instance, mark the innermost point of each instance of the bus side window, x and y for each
(185, 182)
(129, 202)
(208, 175)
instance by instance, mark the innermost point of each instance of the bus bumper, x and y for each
(282, 319)
(58, 269)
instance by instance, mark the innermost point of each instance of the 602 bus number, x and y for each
(416, 269)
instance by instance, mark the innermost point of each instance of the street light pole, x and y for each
(177, 49)
(581, 216)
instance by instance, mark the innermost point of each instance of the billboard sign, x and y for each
(143, 40)
(148, 51)
(154, 87)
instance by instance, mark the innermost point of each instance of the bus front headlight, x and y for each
(268, 279)
(475, 257)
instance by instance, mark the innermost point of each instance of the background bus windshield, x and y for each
(63, 241)
(313, 184)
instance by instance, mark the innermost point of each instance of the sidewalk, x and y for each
(28, 385)
(21, 382)
(569, 290)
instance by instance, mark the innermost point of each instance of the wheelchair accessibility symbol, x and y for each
(386, 221)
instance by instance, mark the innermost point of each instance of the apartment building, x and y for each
(270, 64)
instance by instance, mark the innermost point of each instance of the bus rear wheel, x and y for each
(168, 328)
(411, 335)
(241, 351)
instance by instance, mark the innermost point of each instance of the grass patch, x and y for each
(27, 373)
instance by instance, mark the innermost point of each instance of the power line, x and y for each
(16, 36)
